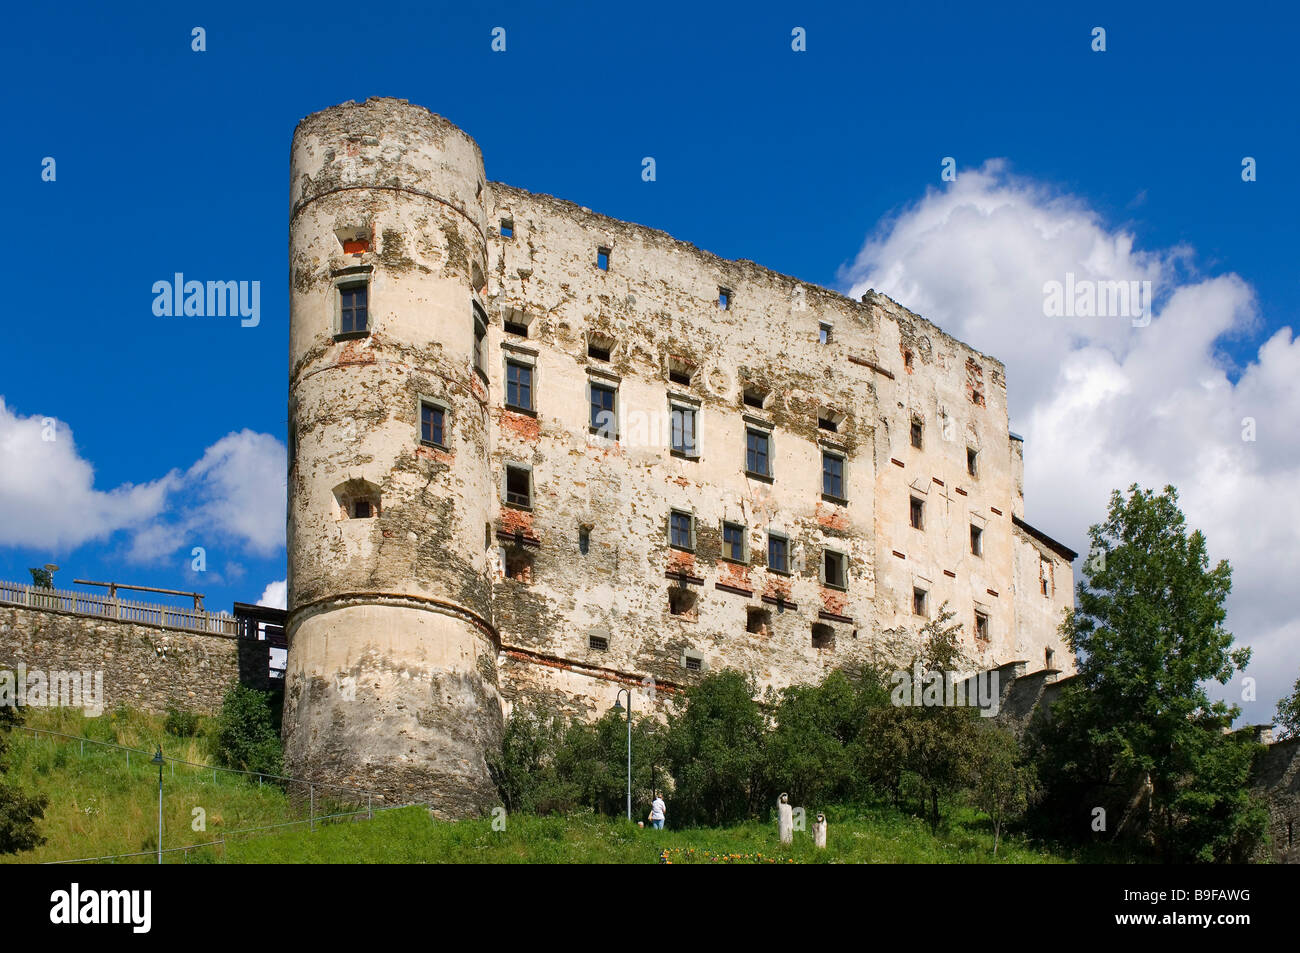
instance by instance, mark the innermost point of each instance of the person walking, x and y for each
(657, 811)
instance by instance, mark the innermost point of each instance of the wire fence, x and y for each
(313, 795)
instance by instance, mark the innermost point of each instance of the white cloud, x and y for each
(233, 495)
(275, 595)
(1102, 403)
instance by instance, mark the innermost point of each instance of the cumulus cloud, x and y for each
(1104, 402)
(275, 595)
(233, 495)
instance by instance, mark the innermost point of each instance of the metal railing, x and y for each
(99, 606)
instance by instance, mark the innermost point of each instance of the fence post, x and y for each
(311, 805)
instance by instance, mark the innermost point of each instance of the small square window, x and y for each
(907, 360)
(681, 530)
(835, 569)
(778, 553)
(976, 541)
(598, 642)
(693, 664)
(519, 565)
(758, 621)
(362, 510)
(758, 452)
(515, 328)
(584, 539)
(920, 601)
(828, 424)
(917, 513)
(604, 417)
(754, 397)
(682, 602)
(433, 424)
(519, 486)
(354, 308)
(597, 352)
(833, 475)
(972, 461)
(683, 430)
(823, 636)
(733, 542)
(918, 432)
(507, 228)
(724, 299)
(824, 333)
(602, 259)
(519, 385)
(981, 626)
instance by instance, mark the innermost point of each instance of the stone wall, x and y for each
(144, 666)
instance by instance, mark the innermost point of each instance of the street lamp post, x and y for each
(618, 708)
(158, 760)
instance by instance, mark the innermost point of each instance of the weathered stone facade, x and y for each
(511, 543)
(144, 666)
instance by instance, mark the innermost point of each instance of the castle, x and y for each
(537, 454)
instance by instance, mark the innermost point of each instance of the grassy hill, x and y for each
(99, 806)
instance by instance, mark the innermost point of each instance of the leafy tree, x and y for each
(715, 751)
(19, 812)
(1288, 712)
(1148, 630)
(248, 736)
(524, 769)
(1001, 783)
(810, 751)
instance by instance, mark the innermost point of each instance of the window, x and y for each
(733, 542)
(514, 327)
(519, 486)
(972, 461)
(693, 663)
(758, 450)
(833, 475)
(758, 621)
(480, 334)
(920, 600)
(519, 385)
(353, 308)
(824, 333)
(778, 553)
(1048, 657)
(981, 626)
(835, 569)
(918, 432)
(724, 299)
(681, 530)
(596, 351)
(362, 510)
(519, 565)
(584, 539)
(682, 601)
(826, 422)
(918, 513)
(604, 419)
(754, 397)
(976, 541)
(683, 436)
(907, 361)
(507, 228)
(1045, 577)
(598, 642)
(602, 259)
(823, 636)
(433, 424)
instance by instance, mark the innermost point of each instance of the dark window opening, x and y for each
(694, 664)
(602, 259)
(433, 424)
(584, 539)
(758, 621)
(733, 542)
(758, 447)
(507, 228)
(825, 423)
(680, 377)
(778, 554)
(480, 334)
(754, 397)
(907, 360)
(362, 510)
(981, 626)
(1048, 657)
(918, 513)
(598, 642)
(724, 299)
(353, 302)
(680, 530)
(833, 475)
(519, 489)
(596, 351)
(519, 565)
(920, 600)
(918, 431)
(519, 386)
(515, 328)
(833, 569)
(823, 636)
(681, 601)
(976, 541)
(972, 461)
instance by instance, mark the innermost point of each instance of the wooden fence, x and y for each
(125, 610)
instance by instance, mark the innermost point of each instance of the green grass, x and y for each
(97, 806)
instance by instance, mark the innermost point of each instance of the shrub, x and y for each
(181, 723)
(247, 735)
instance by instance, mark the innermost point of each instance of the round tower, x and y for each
(391, 683)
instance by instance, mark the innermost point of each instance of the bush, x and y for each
(248, 737)
(18, 812)
(181, 723)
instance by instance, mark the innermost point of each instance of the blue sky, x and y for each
(815, 164)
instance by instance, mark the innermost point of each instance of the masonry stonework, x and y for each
(593, 378)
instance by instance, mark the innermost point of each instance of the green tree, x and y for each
(248, 736)
(1001, 783)
(524, 769)
(1288, 712)
(715, 751)
(19, 812)
(1148, 630)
